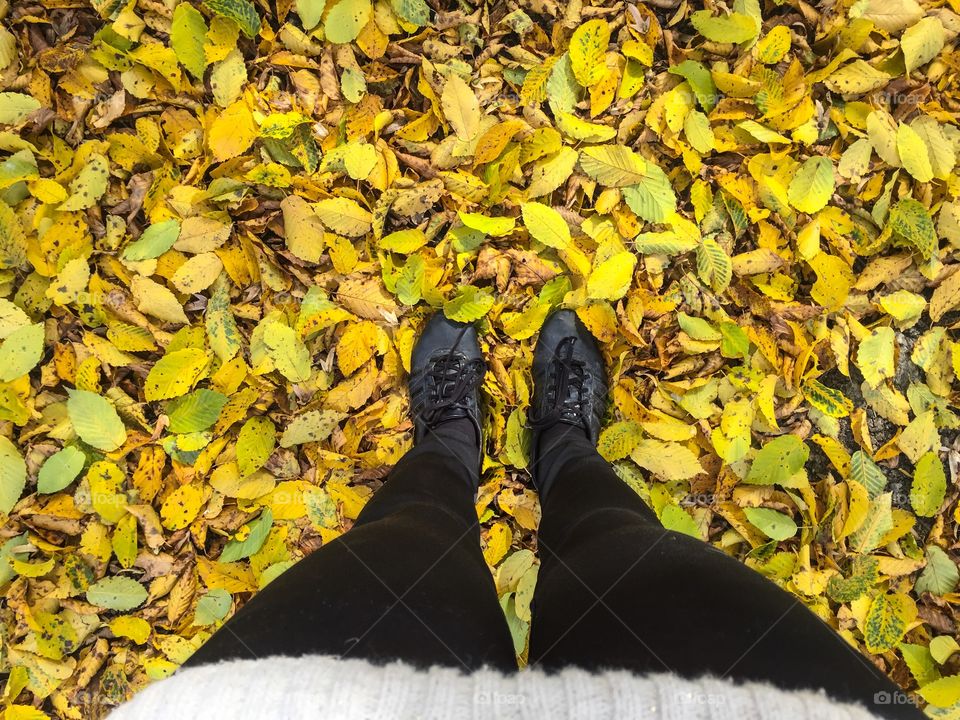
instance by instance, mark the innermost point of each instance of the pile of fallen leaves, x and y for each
(222, 224)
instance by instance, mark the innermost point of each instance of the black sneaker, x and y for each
(446, 370)
(569, 380)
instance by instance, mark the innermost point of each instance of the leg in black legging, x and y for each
(407, 582)
(617, 590)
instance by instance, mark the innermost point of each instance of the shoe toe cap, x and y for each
(441, 335)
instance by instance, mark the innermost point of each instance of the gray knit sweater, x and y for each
(333, 689)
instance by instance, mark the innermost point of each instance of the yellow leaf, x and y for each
(588, 47)
(611, 279)
(134, 628)
(613, 165)
(577, 129)
(545, 224)
(175, 373)
(812, 186)
(834, 280)
(357, 344)
(70, 282)
(404, 241)
(232, 132)
(552, 171)
(498, 543)
(302, 229)
(197, 274)
(181, 507)
(154, 299)
(945, 297)
(461, 108)
(670, 461)
(344, 216)
(913, 153)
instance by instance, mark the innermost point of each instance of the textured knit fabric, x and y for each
(333, 689)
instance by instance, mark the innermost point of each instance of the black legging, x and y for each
(615, 589)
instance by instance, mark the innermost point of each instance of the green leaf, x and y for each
(410, 283)
(735, 343)
(415, 12)
(13, 475)
(780, 462)
(699, 134)
(562, 89)
(652, 199)
(21, 351)
(698, 328)
(187, 33)
(940, 576)
(346, 19)
(775, 525)
(929, 485)
(242, 12)
(257, 531)
(664, 243)
(911, 224)
(468, 305)
(156, 239)
(700, 80)
(864, 572)
(195, 411)
(95, 420)
(879, 522)
(60, 469)
(212, 607)
(321, 508)
(714, 265)
(255, 444)
(919, 660)
(310, 12)
(674, 517)
(14, 107)
(866, 472)
(117, 593)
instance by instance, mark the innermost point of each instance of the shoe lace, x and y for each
(452, 379)
(565, 391)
